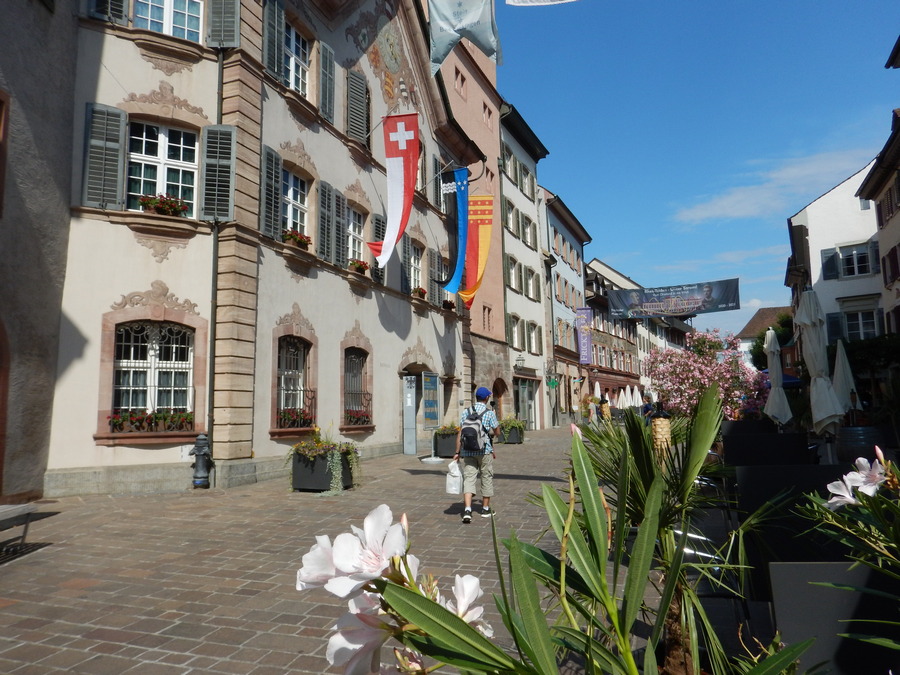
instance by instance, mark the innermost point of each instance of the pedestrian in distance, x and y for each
(647, 410)
(477, 426)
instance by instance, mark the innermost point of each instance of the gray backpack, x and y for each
(472, 436)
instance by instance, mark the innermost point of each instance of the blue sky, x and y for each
(684, 134)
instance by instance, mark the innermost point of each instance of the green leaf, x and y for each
(576, 641)
(874, 640)
(546, 566)
(446, 630)
(642, 557)
(591, 504)
(537, 636)
(775, 664)
(577, 551)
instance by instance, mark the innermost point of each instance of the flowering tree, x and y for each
(681, 375)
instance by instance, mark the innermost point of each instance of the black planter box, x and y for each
(512, 436)
(314, 475)
(444, 445)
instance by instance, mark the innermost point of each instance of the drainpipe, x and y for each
(214, 285)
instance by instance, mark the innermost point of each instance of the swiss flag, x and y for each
(401, 149)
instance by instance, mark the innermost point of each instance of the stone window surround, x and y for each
(306, 334)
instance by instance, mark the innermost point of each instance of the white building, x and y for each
(523, 215)
(834, 249)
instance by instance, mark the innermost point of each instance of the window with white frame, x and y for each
(355, 228)
(535, 338)
(178, 18)
(161, 160)
(517, 332)
(510, 217)
(417, 252)
(296, 402)
(296, 60)
(860, 325)
(509, 162)
(855, 260)
(357, 397)
(294, 191)
(153, 368)
(529, 232)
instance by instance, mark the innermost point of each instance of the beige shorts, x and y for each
(482, 467)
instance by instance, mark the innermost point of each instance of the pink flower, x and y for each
(318, 565)
(357, 643)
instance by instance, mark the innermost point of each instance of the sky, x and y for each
(683, 135)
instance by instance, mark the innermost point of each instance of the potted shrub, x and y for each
(445, 440)
(358, 266)
(163, 204)
(512, 430)
(320, 464)
(296, 238)
(295, 418)
(449, 305)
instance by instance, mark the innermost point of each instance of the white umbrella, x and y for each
(842, 380)
(636, 396)
(597, 392)
(622, 399)
(777, 406)
(825, 406)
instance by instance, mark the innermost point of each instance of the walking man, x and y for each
(477, 426)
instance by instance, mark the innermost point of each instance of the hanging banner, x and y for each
(699, 298)
(401, 149)
(450, 20)
(583, 317)
(481, 218)
(461, 186)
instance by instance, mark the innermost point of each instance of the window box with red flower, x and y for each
(165, 205)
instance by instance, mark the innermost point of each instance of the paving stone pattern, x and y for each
(204, 581)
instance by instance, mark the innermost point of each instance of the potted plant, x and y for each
(295, 418)
(449, 305)
(445, 440)
(358, 266)
(163, 204)
(296, 238)
(512, 430)
(419, 292)
(320, 464)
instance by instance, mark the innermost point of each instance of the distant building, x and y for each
(765, 318)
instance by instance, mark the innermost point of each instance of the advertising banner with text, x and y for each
(583, 330)
(699, 298)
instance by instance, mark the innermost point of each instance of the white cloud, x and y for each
(729, 259)
(783, 189)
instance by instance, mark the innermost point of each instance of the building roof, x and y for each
(894, 59)
(764, 317)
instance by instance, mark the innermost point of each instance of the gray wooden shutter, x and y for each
(879, 321)
(874, 256)
(506, 270)
(104, 157)
(270, 194)
(115, 11)
(540, 344)
(326, 82)
(379, 227)
(434, 269)
(829, 264)
(341, 229)
(219, 147)
(224, 23)
(273, 38)
(834, 327)
(405, 258)
(357, 107)
(436, 194)
(326, 222)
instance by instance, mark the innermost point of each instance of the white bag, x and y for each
(454, 479)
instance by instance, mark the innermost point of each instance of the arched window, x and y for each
(296, 400)
(153, 388)
(357, 397)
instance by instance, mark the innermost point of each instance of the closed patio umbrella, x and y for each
(777, 406)
(825, 407)
(597, 392)
(622, 399)
(842, 379)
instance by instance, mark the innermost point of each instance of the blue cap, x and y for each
(482, 393)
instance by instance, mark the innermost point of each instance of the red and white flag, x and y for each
(401, 149)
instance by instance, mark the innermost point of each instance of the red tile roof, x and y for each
(764, 317)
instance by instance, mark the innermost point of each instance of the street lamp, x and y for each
(520, 362)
